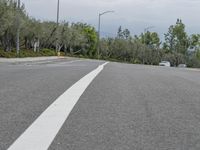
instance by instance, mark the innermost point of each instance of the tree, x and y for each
(170, 40)
(9, 23)
(81, 39)
(126, 34)
(7, 19)
(176, 39)
(195, 40)
(155, 40)
(120, 32)
(151, 39)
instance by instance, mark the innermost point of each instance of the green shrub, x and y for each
(10, 54)
(27, 53)
(47, 52)
(193, 62)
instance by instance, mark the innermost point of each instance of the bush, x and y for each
(47, 52)
(28, 53)
(10, 54)
(193, 62)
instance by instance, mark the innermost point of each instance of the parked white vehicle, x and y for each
(182, 66)
(165, 64)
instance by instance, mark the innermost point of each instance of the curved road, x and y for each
(125, 107)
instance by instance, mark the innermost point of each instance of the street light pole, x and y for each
(57, 25)
(58, 11)
(18, 27)
(98, 40)
(99, 32)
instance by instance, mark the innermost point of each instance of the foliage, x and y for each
(27, 53)
(75, 38)
(176, 39)
(123, 34)
(39, 38)
(131, 50)
(151, 39)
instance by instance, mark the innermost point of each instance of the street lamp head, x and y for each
(110, 11)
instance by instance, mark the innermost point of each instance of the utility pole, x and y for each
(58, 12)
(57, 26)
(98, 39)
(99, 32)
(18, 27)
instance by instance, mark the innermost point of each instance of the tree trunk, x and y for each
(71, 50)
(35, 47)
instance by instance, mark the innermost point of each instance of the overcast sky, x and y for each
(132, 14)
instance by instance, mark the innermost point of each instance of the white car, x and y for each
(165, 64)
(182, 66)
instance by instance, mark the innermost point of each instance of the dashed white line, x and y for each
(42, 132)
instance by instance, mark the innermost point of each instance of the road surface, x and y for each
(124, 106)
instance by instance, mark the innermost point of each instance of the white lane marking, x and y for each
(42, 132)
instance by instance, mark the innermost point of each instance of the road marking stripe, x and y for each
(42, 132)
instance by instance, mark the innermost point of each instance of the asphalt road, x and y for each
(126, 107)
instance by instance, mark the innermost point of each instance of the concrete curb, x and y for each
(28, 59)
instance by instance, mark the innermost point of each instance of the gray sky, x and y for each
(132, 14)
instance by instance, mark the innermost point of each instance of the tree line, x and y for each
(147, 48)
(81, 39)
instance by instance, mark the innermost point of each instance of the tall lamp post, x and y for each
(99, 30)
(58, 11)
(18, 26)
(57, 25)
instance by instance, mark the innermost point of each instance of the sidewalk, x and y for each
(28, 59)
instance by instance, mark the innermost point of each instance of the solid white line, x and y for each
(42, 132)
